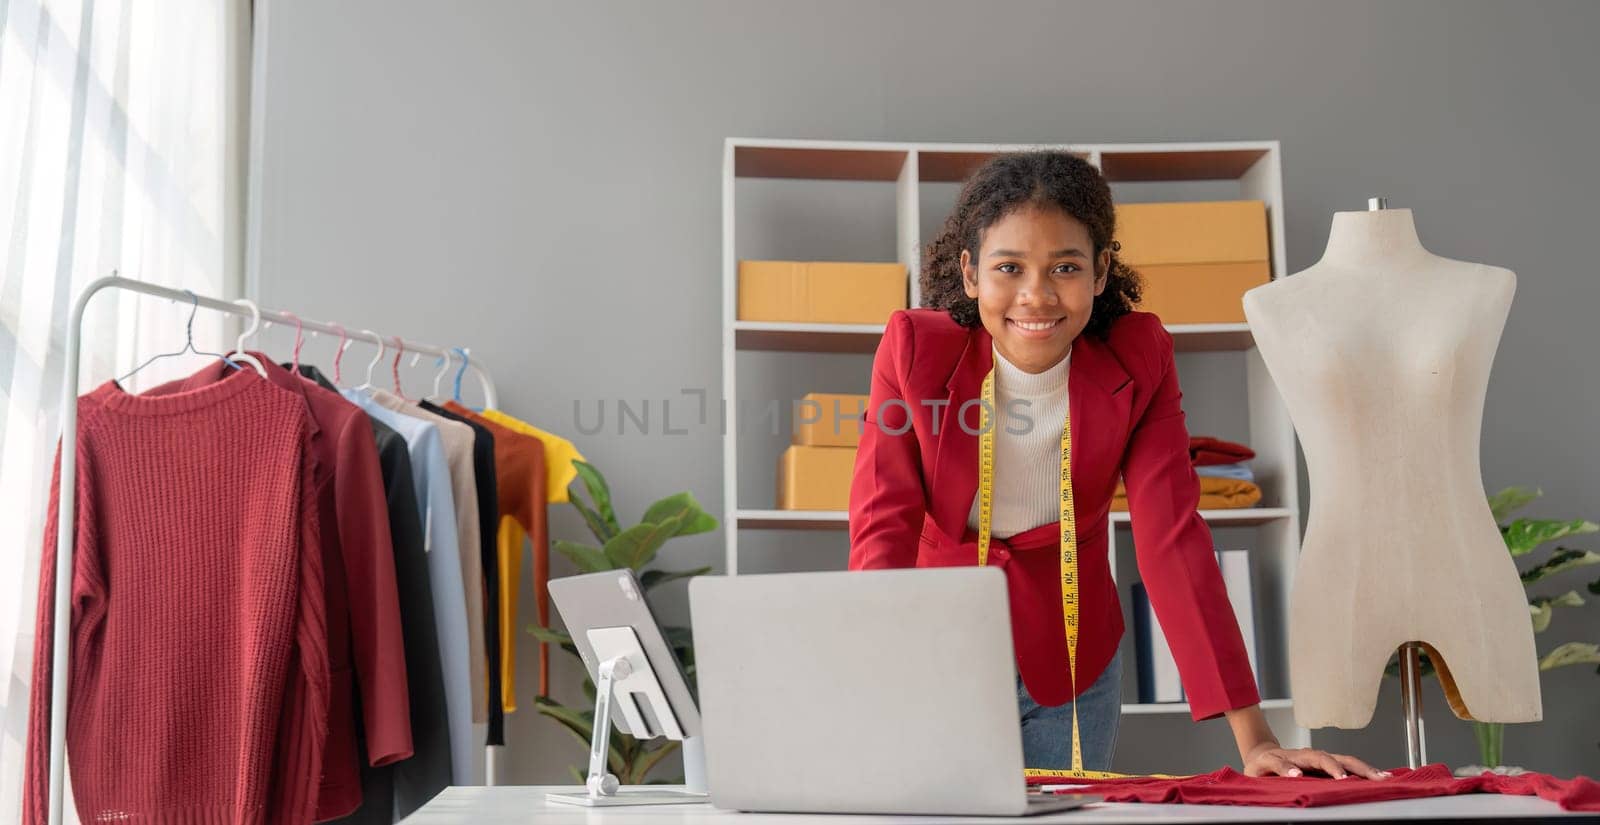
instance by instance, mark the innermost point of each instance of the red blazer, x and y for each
(911, 494)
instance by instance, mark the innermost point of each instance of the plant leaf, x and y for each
(1562, 559)
(1571, 653)
(1542, 607)
(580, 726)
(641, 769)
(1512, 499)
(551, 635)
(650, 578)
(591, 518)
(600, 493)
(692, 517)
(1525, 534)
(1594, 587)
(588, 559)
(578, 774)
(636, 546)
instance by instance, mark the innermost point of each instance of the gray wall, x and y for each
(541, 181)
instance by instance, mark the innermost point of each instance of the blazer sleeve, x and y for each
(887, 497)
(1176, 556)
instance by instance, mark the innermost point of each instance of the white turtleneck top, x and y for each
(1030, 410)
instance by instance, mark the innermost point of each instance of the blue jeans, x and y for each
(1047, 731)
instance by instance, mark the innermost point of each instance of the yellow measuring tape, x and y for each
(1069, 561)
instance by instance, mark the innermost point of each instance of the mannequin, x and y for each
(1382, 353)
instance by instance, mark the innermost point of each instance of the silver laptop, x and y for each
(888, 692)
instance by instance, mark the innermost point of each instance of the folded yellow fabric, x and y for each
(1215, 494)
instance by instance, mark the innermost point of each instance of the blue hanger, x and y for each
(460, 371)
(188, 344)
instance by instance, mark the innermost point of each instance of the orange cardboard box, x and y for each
(1201, 293)
(815, 478)
(823, 419)
(820, 292)
(1197, 259)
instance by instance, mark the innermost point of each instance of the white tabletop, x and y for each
(519, 805)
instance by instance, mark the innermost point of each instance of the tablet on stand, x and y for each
(639, 686)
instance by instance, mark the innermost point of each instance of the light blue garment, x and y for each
(1238, 471)
(431, 477)
(1047, 731)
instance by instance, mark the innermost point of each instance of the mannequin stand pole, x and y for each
(1411, 702)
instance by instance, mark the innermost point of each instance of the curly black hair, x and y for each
(1006, 183)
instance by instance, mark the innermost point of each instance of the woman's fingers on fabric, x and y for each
(1280, 764)
(1325, 762)
(1360, 768)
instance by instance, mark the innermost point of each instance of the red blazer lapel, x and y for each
(1100, 406)
(955, 477)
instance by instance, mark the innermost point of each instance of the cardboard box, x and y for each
(824, 419)
(1192, 233)
(815, 478)
(1197, 259)
(820, 293)
(1201, 293)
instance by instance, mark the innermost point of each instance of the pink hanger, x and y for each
(344, 344)
(298, 340)
(394, 369)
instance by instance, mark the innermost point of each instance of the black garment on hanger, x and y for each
(489, 529)
(393, 792)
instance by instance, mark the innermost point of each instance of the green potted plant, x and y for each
(635, 548)
(1522, 537)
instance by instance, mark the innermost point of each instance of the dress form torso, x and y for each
(1382, 352)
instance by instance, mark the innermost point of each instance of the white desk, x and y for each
(522, 805)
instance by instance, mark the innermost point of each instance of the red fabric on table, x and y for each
(1206, 451)
(1229, 787)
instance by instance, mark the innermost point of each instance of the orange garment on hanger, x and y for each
(520, 475)
(559, 454)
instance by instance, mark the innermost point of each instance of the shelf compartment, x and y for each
(818, 163)
(863, 338)
(797, 337)
(792, 519)
(936, 166)
(1242, 517)
(1119, 165)
(1183, 707)
(751, 519)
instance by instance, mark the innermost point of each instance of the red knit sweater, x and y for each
(198, 689)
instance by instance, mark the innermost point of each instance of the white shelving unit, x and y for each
(1254, 168)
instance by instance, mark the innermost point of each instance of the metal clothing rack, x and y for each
(66, 510)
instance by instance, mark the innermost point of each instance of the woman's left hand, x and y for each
(1267, 759)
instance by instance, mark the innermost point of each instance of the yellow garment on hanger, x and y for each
(559, 454)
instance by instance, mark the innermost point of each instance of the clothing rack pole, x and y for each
(66, 512)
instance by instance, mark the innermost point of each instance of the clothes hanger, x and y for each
(299, 329)
(188, 344)
(238, 353)
(394, 369)
(444, 361)
(338, 357)
(367, 385)
(466, 360)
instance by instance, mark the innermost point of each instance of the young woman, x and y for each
(1029, 317)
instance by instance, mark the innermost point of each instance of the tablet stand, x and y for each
(625, 677)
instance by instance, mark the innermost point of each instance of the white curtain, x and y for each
(120, 140)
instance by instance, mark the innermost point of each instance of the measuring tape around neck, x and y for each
(1069, 554)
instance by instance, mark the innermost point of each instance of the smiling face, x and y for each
(1035, 280)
